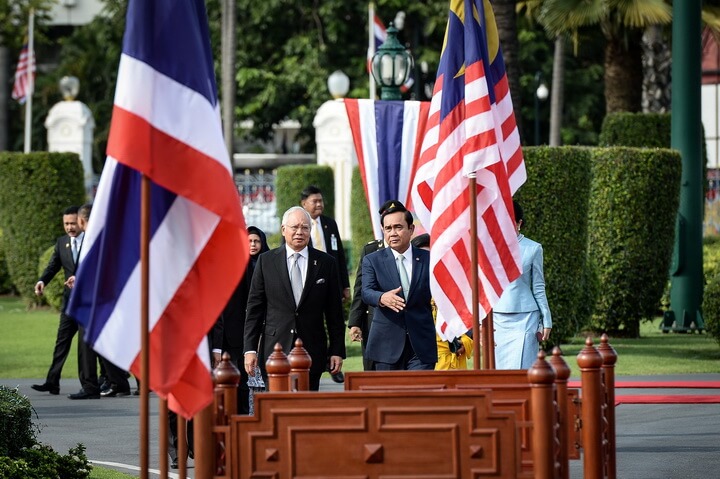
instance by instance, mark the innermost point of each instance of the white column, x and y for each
(335, 148)
(70, 127)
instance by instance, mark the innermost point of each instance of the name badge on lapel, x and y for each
(333, 242)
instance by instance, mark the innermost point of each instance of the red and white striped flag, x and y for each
(23, 85)
(471, 131)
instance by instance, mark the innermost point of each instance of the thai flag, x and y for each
(166, 126)
(387, 136)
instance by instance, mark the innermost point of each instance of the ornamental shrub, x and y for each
(633, 205)
(16, 429)
(6, 286)
(360, 223)
(642, 130)
(555, 201)
(34, 190)
(291, 180)
(53, 292)
(711, 307)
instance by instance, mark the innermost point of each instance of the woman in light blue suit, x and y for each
(522, 315)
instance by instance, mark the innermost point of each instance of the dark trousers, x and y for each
(408, 361)
(117, 377)
(66, 330)
(173, 436)
(87, 365)
(243, 394)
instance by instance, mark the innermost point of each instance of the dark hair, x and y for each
(84, 211)
(518, 211)
(408, 216)
(421, 241)
(71, 210)
(310, 190)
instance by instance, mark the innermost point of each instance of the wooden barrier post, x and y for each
(204, 443)
(609, 357)
(562, 373)
(541, 377)
(300, 362)
(226, 377)
(278, 369)
(590, 361)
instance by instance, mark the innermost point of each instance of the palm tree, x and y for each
(622, 24)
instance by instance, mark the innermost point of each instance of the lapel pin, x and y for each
(314, 262)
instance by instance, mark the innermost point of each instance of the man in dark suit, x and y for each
(67, 249)
(361, 314)
(396, 281)
(294, 293)
(325, 236)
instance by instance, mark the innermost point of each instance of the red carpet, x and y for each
(667, 399)
(659, 384)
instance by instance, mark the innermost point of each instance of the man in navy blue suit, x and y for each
(396, 281)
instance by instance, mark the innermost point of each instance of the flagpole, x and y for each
(479, 342)
(371, 48)
(31, 81)
(144, 327)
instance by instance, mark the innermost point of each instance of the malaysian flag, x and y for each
(379, 33)
(471, 131)
(23, 86)
(387, 136)
(166, 126)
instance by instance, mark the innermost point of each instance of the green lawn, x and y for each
(28, 337)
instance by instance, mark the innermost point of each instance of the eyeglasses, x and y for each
(295, 228)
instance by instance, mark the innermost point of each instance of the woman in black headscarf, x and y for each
(234, 314)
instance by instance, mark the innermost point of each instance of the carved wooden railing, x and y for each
(562, 423)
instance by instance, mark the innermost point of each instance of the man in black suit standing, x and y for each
(325, 236)
(67, 249)
(294, 293)
(361, 314)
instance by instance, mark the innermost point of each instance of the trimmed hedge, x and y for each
(6, 285)
(648, 130)
(555, 201)
(291, 180)
(34, 190)
(360, 223)
(53, 292)
(633, 205)
(711, 308)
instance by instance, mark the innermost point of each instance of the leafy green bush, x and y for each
(555, 202)
(711, 257)
(21, 456)
(633, 205)
(291, 180)
(34, 190)
(648, 130)
(360, 224)
(16, 429)
(42, 462)
(711, 307)
(53, 292)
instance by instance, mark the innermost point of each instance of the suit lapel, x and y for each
(313, 269)
(390, 267)
(418, 268)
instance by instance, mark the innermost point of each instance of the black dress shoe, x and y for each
(338, 378)
(174, 464)
(45, 387)
(114, 392)
(136, 392)
(84, 395)
(105, 386)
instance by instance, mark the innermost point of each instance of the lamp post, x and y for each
(541, 94)
(338, 84)
(391, 66)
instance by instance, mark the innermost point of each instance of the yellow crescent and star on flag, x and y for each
(457, 7)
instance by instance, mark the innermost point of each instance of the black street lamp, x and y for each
(541, 94)
(391, 66)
